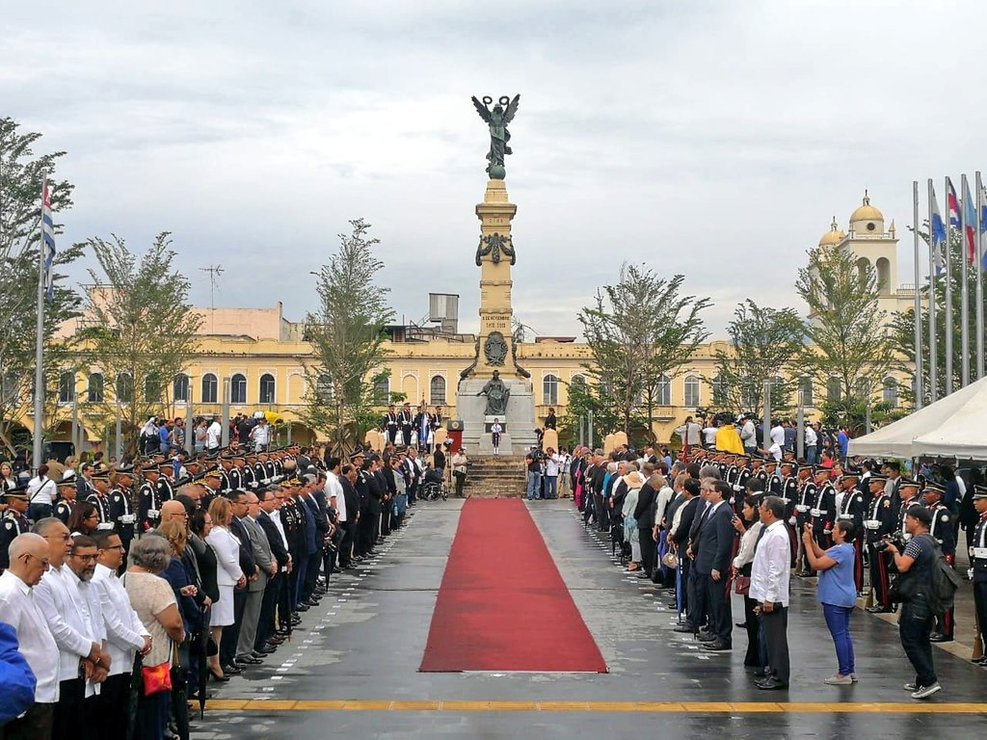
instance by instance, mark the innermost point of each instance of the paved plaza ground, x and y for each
(352, 668)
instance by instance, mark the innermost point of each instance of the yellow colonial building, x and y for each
(261, 356)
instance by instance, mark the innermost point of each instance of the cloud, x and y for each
(711, 139)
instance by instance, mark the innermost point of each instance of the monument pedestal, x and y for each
(519, 421)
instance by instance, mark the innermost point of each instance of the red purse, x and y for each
(157, 678)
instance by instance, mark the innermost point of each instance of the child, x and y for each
(495, 430)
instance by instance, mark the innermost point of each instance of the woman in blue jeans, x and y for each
(837, 593)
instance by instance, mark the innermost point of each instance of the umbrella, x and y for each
(133, 696)
(201, 647)
(179, 697)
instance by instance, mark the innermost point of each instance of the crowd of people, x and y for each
(724, 519)
(127, 587)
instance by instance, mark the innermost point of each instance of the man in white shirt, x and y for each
(770, 575)
(261, 435)
(334, 490)
(19, 609)
(41, 491)
(778, 434)
(709, 435)
(214, 435)
(69, 613)
(125, 635)
(811, 445)
(748, 435)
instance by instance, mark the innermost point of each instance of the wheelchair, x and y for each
(432, 491)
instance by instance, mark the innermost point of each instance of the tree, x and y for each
(347, 337)
(21, 174)
(639, 332)
(851, 345)
(763, 343)
(904, 325)
(140, 330)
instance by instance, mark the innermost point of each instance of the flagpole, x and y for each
(948, 318)
(965, 288)
(933, 338)
(39, 337)
(919, 385)
(979, 267)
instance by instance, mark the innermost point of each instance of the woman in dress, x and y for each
(749, 527)
(152, 599)
(228, 574)
(634, 481)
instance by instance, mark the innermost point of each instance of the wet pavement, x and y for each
(351, 668)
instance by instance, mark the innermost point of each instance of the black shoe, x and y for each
(231, 670)
(771, 684)
(718, 646)
(248, 660)
(760, 673)
(742, 625)
(303, 607)
(878, 610)
(705, 636)
(313, 602)
(684, 628)
(939, 637)
(268, 649)
(982, 661)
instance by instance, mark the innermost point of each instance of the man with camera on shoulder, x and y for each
(912, 588)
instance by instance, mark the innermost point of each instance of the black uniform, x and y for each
(148, 506)
(13, 524)
(878, 524)
(852, 510)
(63, 510)
(824, 515)
(944, 532)
(978, 563)
(122, 515)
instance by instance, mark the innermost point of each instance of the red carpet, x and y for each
(502, 605)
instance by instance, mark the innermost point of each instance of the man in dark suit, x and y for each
(687, 535)
(265, 625)
(644, 515)
(678, 535)
(347, 478)
(715, 545)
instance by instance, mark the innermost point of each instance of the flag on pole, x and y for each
(970, 216)
(952, 205)
(48, 237)
(983, 225)
(938, 235)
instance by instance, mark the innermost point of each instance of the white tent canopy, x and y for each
(955, 426)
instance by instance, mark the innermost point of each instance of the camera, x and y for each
(895, 537)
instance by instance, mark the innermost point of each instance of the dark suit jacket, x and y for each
(644, 512)
(274, 536)
(352, 499)
(715, 541)
(681, 533)
(206, 559)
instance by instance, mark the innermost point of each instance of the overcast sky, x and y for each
(714, 139)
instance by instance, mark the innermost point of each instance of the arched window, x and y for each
(550, 390)
(863, 267)
(719, 391)
(883, 275)
(66, 387)
(180, 388)
(267, 388)
(382, 390)
(210, 388)
(437, 390)
(125, 388)
(890, 395)
(95, 389)
(691, 391)
(238, 389)
(805, 385)
(152, 387)
(664, 391)
(834, 391)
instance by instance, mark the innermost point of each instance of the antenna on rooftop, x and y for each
(214, 272)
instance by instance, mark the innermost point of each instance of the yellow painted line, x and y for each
(629, 707)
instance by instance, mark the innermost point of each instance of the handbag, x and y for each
(156, 678)
(742, 585)
(671, 560)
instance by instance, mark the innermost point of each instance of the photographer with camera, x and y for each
(912, 587)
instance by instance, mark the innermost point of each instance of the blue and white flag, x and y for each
(48, 238)
(938, 236)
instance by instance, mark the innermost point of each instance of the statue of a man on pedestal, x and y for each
(497, 393)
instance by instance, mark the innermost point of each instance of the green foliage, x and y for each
(21, 175)
(763, 343)
(347, 336)
(849, 339)
(140, 331)
(638, 330)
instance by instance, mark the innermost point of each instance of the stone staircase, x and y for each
(500, 476)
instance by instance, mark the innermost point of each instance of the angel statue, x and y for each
(497, 120)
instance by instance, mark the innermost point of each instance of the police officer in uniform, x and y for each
(149, 500)
(99, 499)
(122, 505)
(978, 568)
(824, 512)
(66, 500)
(804, 505)
(878, 523)
(943, 530)
(14, 521)
(852, 509)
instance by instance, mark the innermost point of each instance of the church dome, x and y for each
(866, 212)
(833, 236)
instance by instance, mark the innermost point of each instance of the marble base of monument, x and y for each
(519, 421)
